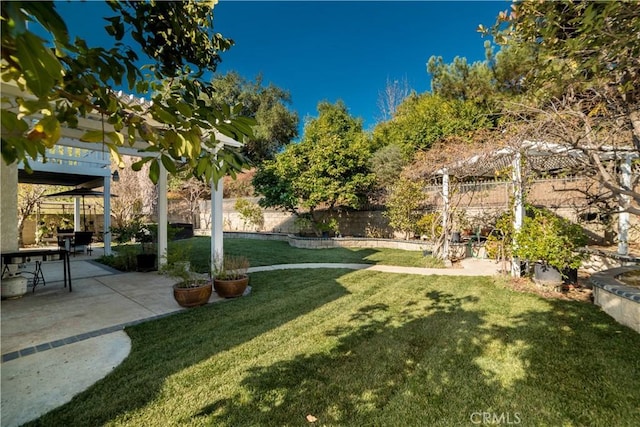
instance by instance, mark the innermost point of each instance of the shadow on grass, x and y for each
(437, 360)
(398, 350)
(187, 339)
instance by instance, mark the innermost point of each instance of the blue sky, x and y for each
(332, 50)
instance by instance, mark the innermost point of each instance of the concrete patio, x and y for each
(56, 343)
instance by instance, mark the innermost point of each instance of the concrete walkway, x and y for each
(56, 344)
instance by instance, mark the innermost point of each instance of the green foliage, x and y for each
(275, 126)
(232, 267)
(386, 164)
(500, 77)
(403, 205)
(250, 212)
(71, 79)
(171, 33)
(550, 239)
(328, 167)
(430, 225)
(176, 265)
(421, 120)
(462, 81)
(124, 258)
(499, 243)
(136, 231)
(568, 55)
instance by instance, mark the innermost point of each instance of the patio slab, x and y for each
(56, 343)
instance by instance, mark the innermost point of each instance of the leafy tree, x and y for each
(70, 79)
(424, 119)
(328, 168)
(190, 191)
(583, 89)
(403, 205)
(500, 77)
(275, 127)
(250, 212)
(461, 80)
(386, 164)
(29, 196)
(135, 195)
(569, 56)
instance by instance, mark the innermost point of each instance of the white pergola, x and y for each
(76, 163)
(541, 156)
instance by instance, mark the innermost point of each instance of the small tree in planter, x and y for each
(551, 242)
(230, 278)
(145, 235)
(190, 290)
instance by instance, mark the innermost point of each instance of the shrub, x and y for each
(550, 239)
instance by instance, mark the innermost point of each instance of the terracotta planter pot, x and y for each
(231, 288)
(194, 296)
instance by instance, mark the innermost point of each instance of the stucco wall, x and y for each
(351, 223)
(8, 207)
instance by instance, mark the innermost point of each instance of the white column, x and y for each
(77, 212)
(623, 217)
(162, 215)
(445, 214)
(107, 215)
(217, 224)
(518, 208)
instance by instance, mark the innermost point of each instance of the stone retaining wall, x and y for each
(618, 300)
(355, 242)
(600, 260)
(325, 243)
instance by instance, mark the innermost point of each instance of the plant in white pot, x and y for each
(14, 285)
(551, 242)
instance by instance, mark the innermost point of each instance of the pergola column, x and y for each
(445, 213)
(107, 215)
(518, 208)
(217, 234)
(162, 215)
(623, 216)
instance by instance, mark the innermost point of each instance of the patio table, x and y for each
(38, 256)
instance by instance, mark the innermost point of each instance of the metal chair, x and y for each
(82, 239)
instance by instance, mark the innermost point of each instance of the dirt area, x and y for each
(581, 291)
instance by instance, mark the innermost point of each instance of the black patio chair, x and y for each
(82, 239)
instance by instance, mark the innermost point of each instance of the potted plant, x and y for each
(230, 278)
(551, 242)
(14, 285)
(190, 290)
(146, 234)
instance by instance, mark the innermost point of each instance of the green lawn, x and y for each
(270, 252)
(371, 349)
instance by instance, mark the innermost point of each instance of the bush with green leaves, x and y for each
(403, 204)
(250, 212)
(430, 225)
(549, 239)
